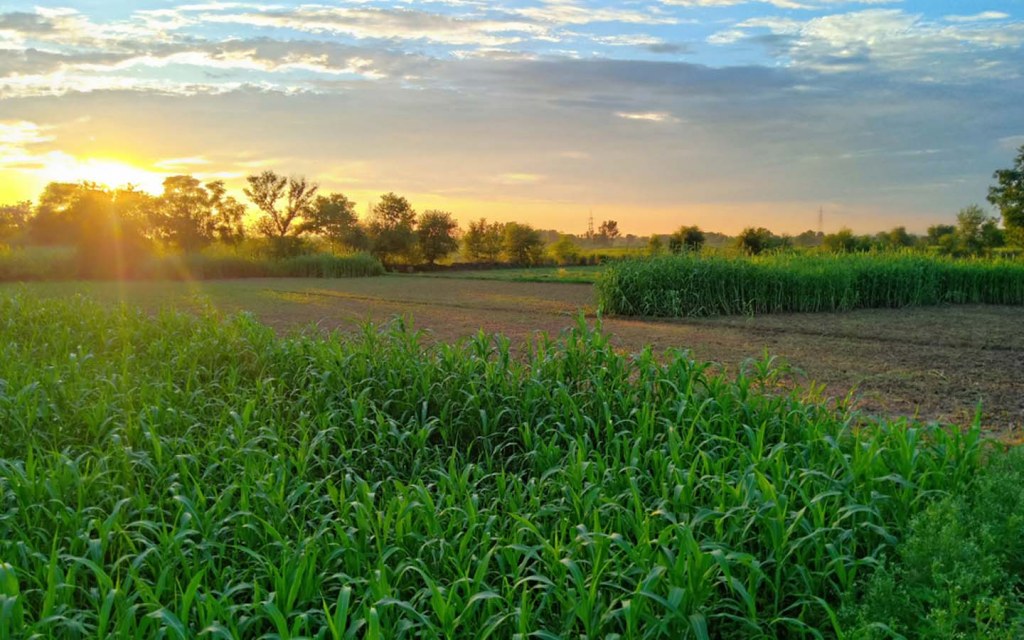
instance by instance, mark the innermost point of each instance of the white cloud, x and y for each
(647, 116)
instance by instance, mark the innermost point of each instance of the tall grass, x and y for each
(691, 285)
(187, 477)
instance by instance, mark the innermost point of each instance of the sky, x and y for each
(654, 113)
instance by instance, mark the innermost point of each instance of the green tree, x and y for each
(842, 241)
(392, 229)
(1008, 196)
(437, 235)
(483, 242)
(14, 220)
(281, 223)
(898, 238)
(565, 251)
(655, 246)
(756, 241)
(523, 244)
(334, 217)
(191, 216)
(686, 239)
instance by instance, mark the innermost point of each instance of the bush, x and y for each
(960, 571)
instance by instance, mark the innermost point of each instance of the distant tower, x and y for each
(590, 226)
(821, 219)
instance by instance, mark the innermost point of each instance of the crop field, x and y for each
(935, 363)
(584, 275)
(687, 285)
(198, 475)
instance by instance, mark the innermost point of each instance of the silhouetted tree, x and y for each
(686, 239)
(1008, 196)
(392, 228)
(51, 224)
(523, 244)
(607, 232)
(655, 246)
(437, 235)
(14, 220)
(334, 217)
(483, 241)
(190, 215)
(281, 223)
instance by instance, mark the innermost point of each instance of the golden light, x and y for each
(110, 173)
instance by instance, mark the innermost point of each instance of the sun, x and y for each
(108, 172)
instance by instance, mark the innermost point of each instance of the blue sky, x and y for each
(656, 113)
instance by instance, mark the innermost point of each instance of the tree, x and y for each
(898, 238)
(482, 241)
(334, 217)
(686, 239)
(565, 251)
(523, 244)
(1008, 196)
(190, 215)
(755, 241)
(51, 224)
(14, 219)
(392, 228)
(281, 224)
(437, 235)
(969, 222)
(842, 241)
(608, 231)
(655, 246)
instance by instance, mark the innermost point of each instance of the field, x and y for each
(186, 475)
(935, 362)
(706, 285)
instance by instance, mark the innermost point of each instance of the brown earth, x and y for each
(937, 363)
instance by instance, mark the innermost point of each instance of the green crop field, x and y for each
(186, 476)
(584, 275)
(690, 285)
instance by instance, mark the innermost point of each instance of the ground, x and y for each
(937, 363)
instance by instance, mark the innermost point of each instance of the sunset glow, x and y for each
(657, 113)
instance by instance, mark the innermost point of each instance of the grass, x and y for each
(38, 263)
(183, 476)
(578, 275)
(689, 285)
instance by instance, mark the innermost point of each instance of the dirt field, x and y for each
(937, 363)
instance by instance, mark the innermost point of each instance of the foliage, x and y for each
(607, 232)
(655, 246)
(179, 477)
(282, 222)
(960, 571)
(13, 220)
(686, 238)
(392, 228)
(687, 285)
(483, 241)
(1008, 196)
(753, 241)
(191, 216)
(334, 217)
(565, 251)
(522, 244)
(844, 241)
(437, 235)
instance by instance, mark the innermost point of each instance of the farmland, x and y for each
(184, 475)
(934, 362)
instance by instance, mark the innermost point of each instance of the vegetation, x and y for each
(392, 229)
(688, 285)
(179, 477)
(1008, 196)
(437, 235)
(483, 241)
(687, 238)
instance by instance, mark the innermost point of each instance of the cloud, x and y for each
(888, 39)
(979, 17)
(648, 116)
